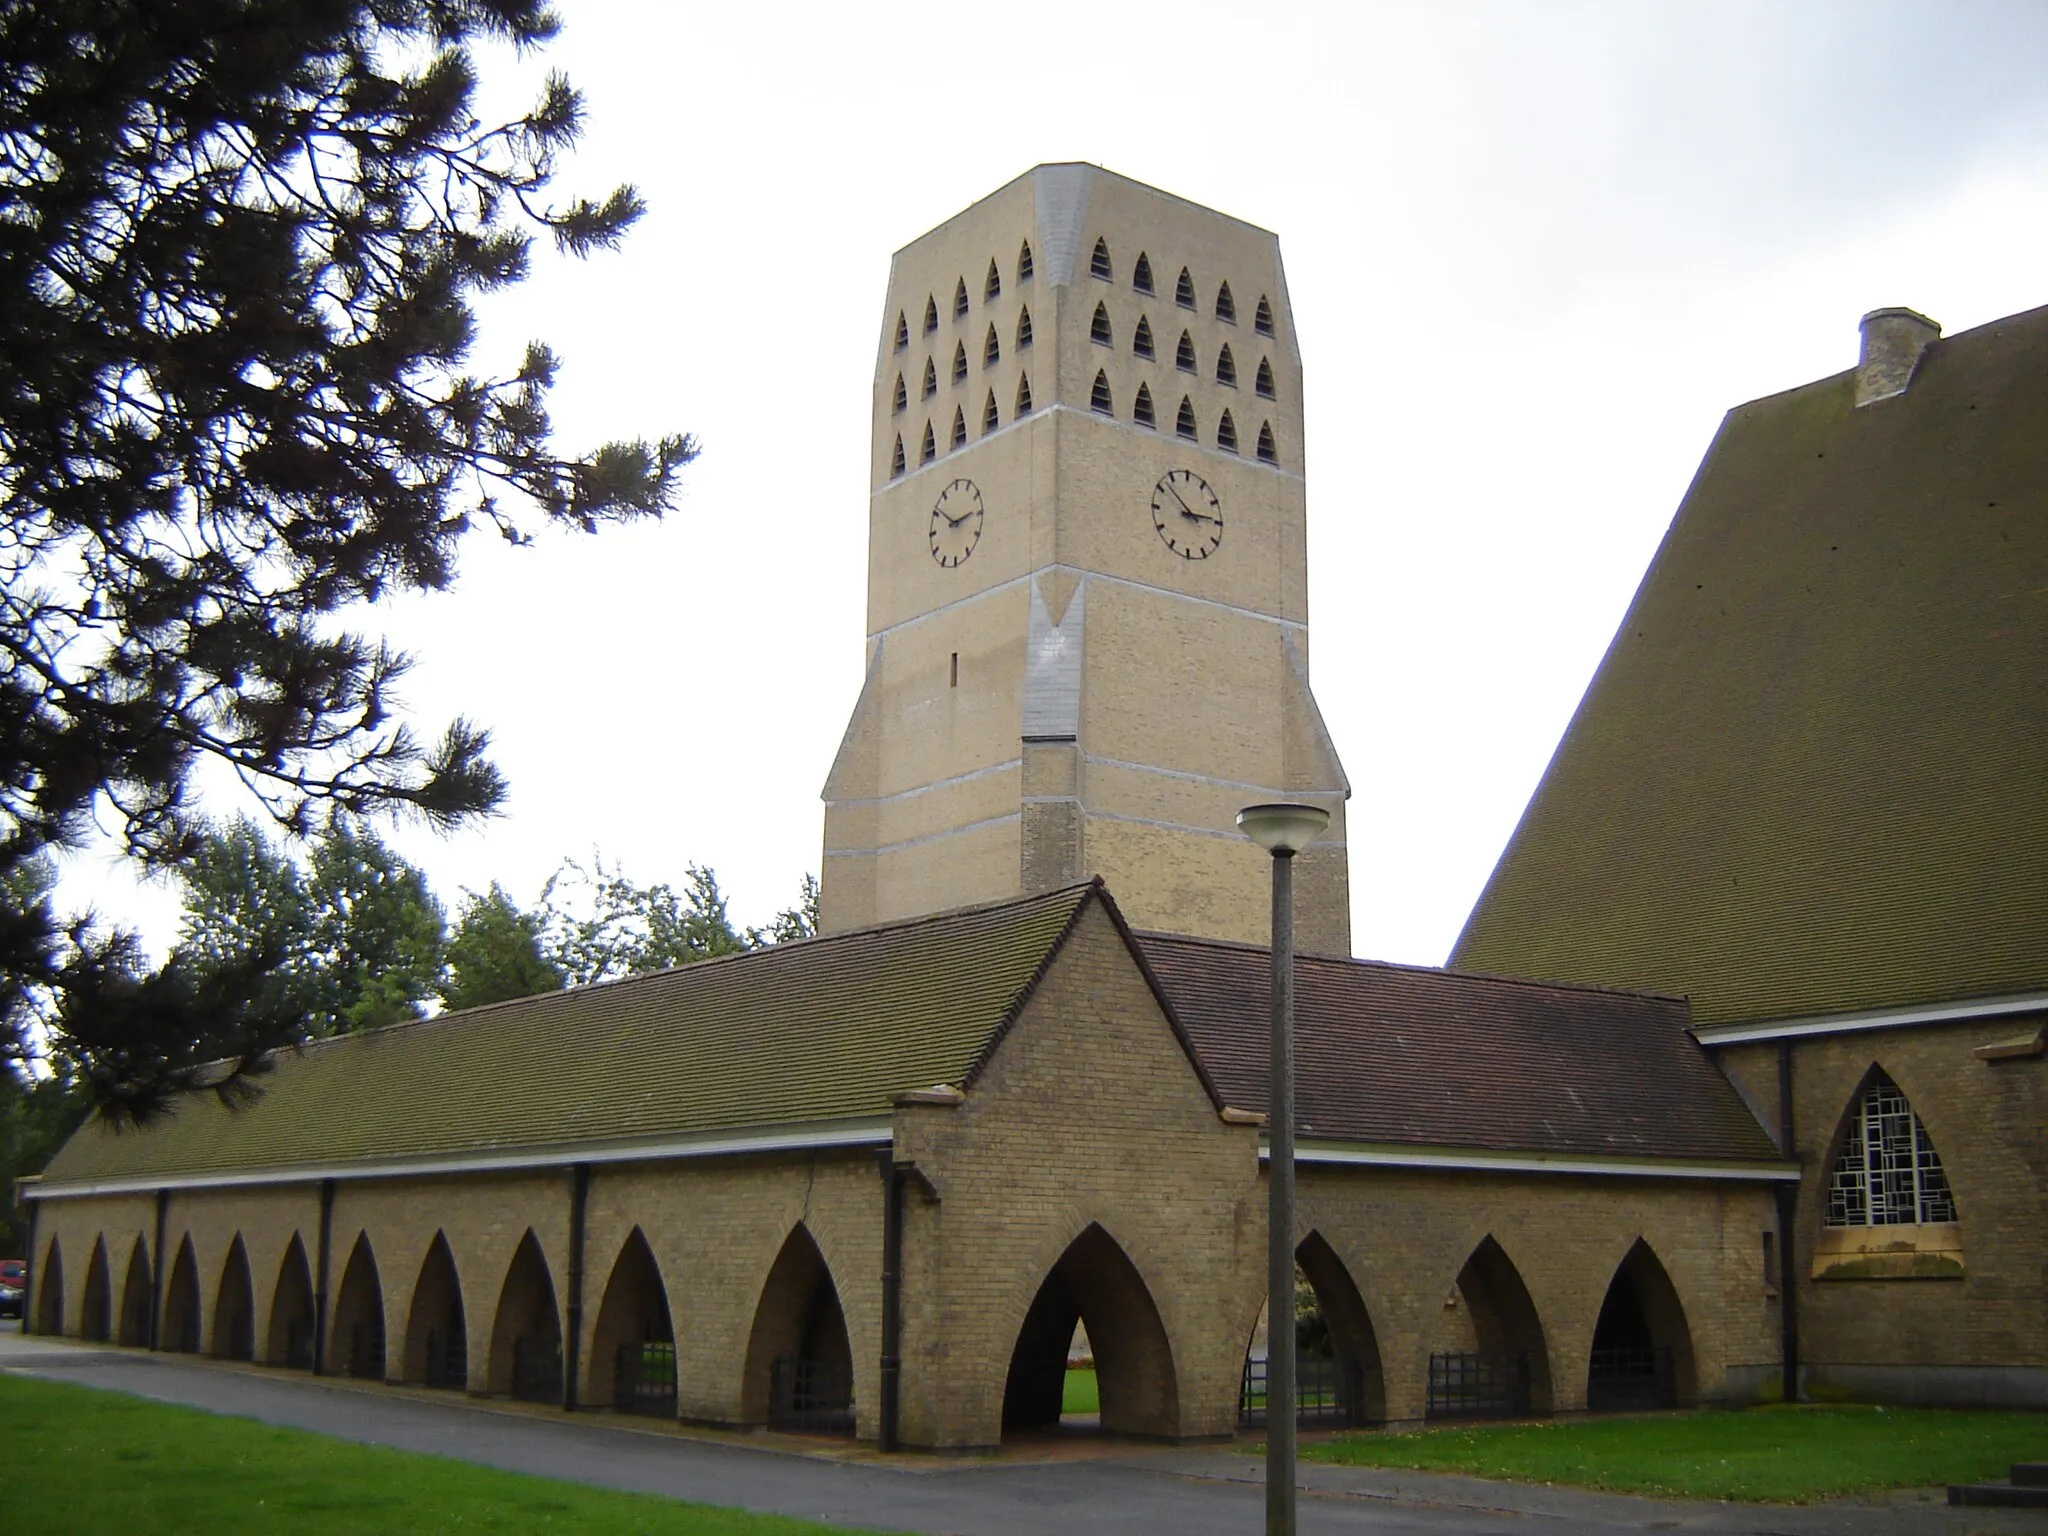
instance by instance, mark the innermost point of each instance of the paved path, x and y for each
(1188, 1492)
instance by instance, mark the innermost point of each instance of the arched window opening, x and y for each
(1226, 434)
(931, 379)
(633, 1349)
(1141, 338)
(181, 1304)
(1226, 307)
(990, 420)
(1098, 328)
(1642, 1348)
(993, 288)
(234, 1307)
(1141, 408)
(1226, 369)
(1269, 452)
(1263, 383)
(1094, 1285)
(1141, 274)
(901, 398)
(991, 350)
(1024, 263)
(959, 429)
(1184, 290)
(1888, 1173)
(526, 1333)
(1337, 1374)
(929, 450)
(960, 299)
(896, 459)
(931, 314)
(1492, 1361)
(291, 1311)
(1023, 330)
(799, 1371)
(1184, 354)
(96, 1306)
(902, 331)
(1098, 264)
(135, 1296)
(1262, 317)
(959, 362)
(1184, 423)
(1098, 397)
(48, 1281)
(1024, 395)
(356, 1343)
(437, 1332)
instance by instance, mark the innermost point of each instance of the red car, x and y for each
(13, 1277)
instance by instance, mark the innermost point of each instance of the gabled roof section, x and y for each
(1408, 1056)
(1811, 775)
(820, 1031)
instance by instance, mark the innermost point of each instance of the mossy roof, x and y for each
(824, 1030)
(1811, 774)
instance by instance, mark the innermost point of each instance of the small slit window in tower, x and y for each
(1184, 354)
(1098, 328)
(993, 289)
(989, 420)
(896, 459)
(1226, 368)
(1264, 383)
(960, 299)
(1024, 395)
(1184, 424)
(1141, 274)
(902, 331)
(1226, 434)
(956, 671)
(1024, 263)
(1226, 306)
(1023, 330)
(959, 429)
(1098, 264)
(1141, 338)
(991, 350)
(1141, 408)
(1262, 317)
(931, 380)
(931, 314)
(959, 362)
(1184, 290)
(930, 450)
(902, 397)
(1269, 452)
(1098, 397)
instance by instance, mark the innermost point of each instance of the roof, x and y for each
(1409, 1056)
(1811, 774)
(823, 1030)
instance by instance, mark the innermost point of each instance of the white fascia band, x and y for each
(1337, 1153)
(1887, 1018)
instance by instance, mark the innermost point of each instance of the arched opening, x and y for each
(902, 331)
(1890, 1212)
(1098, 328)
(526, 1334)
(799, 1360)
(959, 428)
(960, 298)
(1184, 290)
(358, 1338)
(1099, 398)
(181, 1304)
(1494, 1363)
(1094, 1284)
(1226, 369)
(49, 1286)
(1262, 317)
(1269, 451)
(1098, 262)
(1141, 338)
(1141, 274)
(959, 362)
(931, 314)
(1024, 395)
(1642, 1348)
(991, 349)
(1184, 353)
(1024, 263)
(135, 1297)
(929, 448)
(900, 400)
(896, 458)
(1141, 408)
(1184, 422)
(633, 1349)
(1338, 1380)
(1226, 307)
(436, 1333)
(234, 1307)
(930, 386)
(291, 1311)
(990, 419)
(993, 288)
(1263, 380)
(1226, 433)
(1023, 330)
(96, 1306)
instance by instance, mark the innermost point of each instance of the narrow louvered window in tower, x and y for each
(1141, 338)
(1184, 354)
(931, 380)
(959, 428)
(902, 395)
(1024, 395)
(1024, 263)
(1098, 397)
(1098, 328)
(1184, 290)
(1023, 330)
(931, 314)
(1226, 368)
(896, 460)
(993, 288)
(1098, 264)
(959, 362)
(989, 420)
(1184, 424)
(1262, 317)
(1226, 306)
(1141, 408)
(1226, 434)
(930, 450)
(1141, 274)
(1269, 452)
(902, 331)
(991, 350)
(1264, 383)
(960, 299)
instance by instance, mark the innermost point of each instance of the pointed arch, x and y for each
(1885, 1171)
(1098, 328)
(234, 1307)
(1499, 1364)
(1642, 1347)
(180, 1333)
(633, 1346)
(902, 331)
(49, 1287)
(960, 298)
(896, 458)
(1023, 330)
(1226, 306)
(959, 362)
(1226, 433)
(959, 429)
(990, 419)
(991, 349)
(1141, 338)
(993, 288)
(929, 448)
(1024, 263)
(930, 386)
(291, 1311)
(1099, 398)
(799, 1370)
(1269, 451)
(899, 399)
(931, 314)
(437, 1331)
(1141, 274)
(1338, 1376)
(526, 1329)
(96, 1302)
(1226, 368)
(1141, 408)
(1262, 317)
(1094, 1283)
(1184, 290)
(1184, 354)
(1024, 394)
(1263, 383)
(135, 1296)
(1098, 261)
(357, 1339)
(1184, 423)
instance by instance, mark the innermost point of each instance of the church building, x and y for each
(1736, 1077)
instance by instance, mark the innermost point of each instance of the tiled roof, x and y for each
(1811, 774)
(1409, 1056)
(828, 1029)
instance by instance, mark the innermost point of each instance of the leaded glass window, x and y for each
(1889, 1173)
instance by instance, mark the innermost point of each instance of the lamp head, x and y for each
(1283, 828)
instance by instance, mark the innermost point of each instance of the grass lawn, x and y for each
(1775, 1454)
(75, 1459)
(1079, 1394)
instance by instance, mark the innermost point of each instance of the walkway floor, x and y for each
(1112, 1489)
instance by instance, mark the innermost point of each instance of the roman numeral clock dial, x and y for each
(956, 523)
(1187, 514)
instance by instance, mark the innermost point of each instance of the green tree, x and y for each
(496, 954)
(797, 922)
(36, 1116)
(599, 924)
(240, 245)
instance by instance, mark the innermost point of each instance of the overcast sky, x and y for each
(1535, 251)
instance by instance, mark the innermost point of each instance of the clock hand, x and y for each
(1176, 496)
(1197, 517)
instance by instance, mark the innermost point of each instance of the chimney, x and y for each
(1893, 340)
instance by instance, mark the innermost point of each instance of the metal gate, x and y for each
(645, 1381)
(447, 1358)
(537, 1368)
(1631, 1381)
(812, 1397)
(366, 1350)
(1326, 1392)
(1478, 1386)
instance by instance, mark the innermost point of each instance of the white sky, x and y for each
(1535, 251)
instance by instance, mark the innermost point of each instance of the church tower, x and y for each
(1087, 572)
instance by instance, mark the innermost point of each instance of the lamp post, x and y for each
(1283, 831)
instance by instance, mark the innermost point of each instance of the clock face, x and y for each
(956, 523)
(1187, 514)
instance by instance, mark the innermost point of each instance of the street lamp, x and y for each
(1283, 831)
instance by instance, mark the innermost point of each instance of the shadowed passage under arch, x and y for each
(1494, 1362)
(799, 1372)
(181, 1303)
(135, 1296)
(633, 1348)
(96, 1305)
(357, 1342)
(1338, 1377)
(526, 1332)
(234, 1307)
(291, 1311)
(49, 1288)
(436, 1333)
(1094, 1283)
(1642, 1349)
